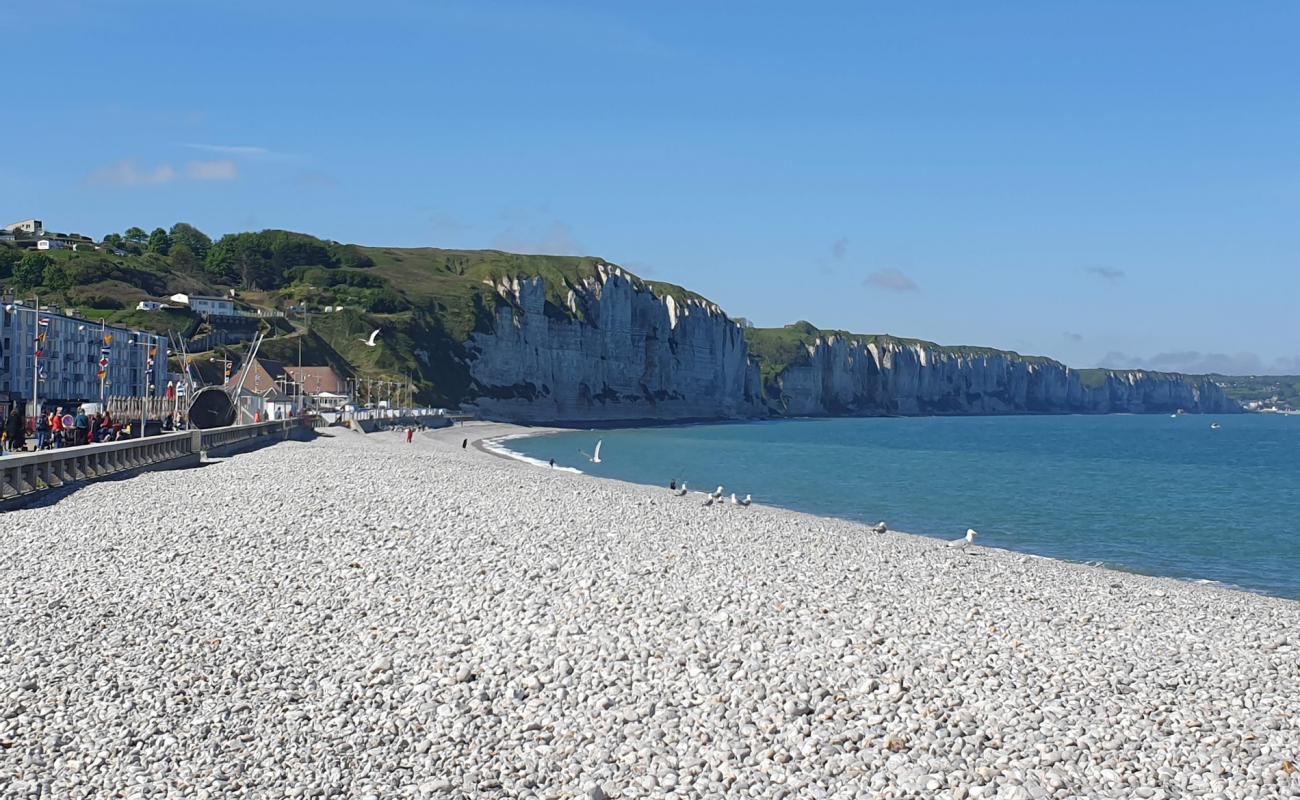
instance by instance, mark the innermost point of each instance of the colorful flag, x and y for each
(108, 338)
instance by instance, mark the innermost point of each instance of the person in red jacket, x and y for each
(56, 427)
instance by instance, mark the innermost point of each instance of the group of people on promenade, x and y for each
(58, 429)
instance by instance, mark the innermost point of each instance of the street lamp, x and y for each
(147, 341)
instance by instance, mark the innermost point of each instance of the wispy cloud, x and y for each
(446, 223)
(316, 180)
(239, 150)
(1198, 363)
(839, 248)
(1073, 337)
(891, 280)
(128, 173)
(211, 171)
(553, 240)
(1105, 273)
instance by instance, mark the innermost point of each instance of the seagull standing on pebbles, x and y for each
(708, 500)
(961, 543)
(734, 501)
(746, 501)
(717, 493)
(880, 527)
(682, 491)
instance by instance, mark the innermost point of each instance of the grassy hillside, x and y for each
(1272, 390)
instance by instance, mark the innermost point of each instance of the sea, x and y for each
(1151, 494)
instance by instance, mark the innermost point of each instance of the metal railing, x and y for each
(392, 413)
(27, 473)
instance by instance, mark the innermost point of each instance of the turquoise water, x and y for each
(1150, 494)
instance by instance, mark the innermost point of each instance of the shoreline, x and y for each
(491, 442)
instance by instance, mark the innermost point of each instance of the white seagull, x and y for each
(717, 493)
(371, 341)
(746, 501)
(708, 500)
(682, 491)
(880, 527)
(965, 540)
(734, 501)
(594, 457)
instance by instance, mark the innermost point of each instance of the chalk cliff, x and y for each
(842, 374)
(611, 346)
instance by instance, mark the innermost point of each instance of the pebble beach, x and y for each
(356, 617)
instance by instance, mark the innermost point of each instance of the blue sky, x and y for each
(1106, 183)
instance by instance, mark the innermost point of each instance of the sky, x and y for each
(1108, 183)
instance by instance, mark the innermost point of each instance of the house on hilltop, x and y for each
(29, 226)
(219, 306)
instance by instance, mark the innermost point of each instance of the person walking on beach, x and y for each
(552, 463)
(410, 433)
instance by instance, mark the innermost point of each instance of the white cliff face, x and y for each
(846, 376)
(612, 349)
(617, 352)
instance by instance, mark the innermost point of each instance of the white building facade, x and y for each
(67, 371)
(219, 306)
(32, 226)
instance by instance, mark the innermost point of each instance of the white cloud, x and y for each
(892, 280)
(127, 173)
(239, 150)
(211, 170)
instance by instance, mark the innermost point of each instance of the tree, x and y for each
(9, 258)
(113, 240)
(160, 242)
(30, 271)
(183, 258)
(56, 277)
(136, 235)
(193, 238)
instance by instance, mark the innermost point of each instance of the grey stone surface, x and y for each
(358, 617)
